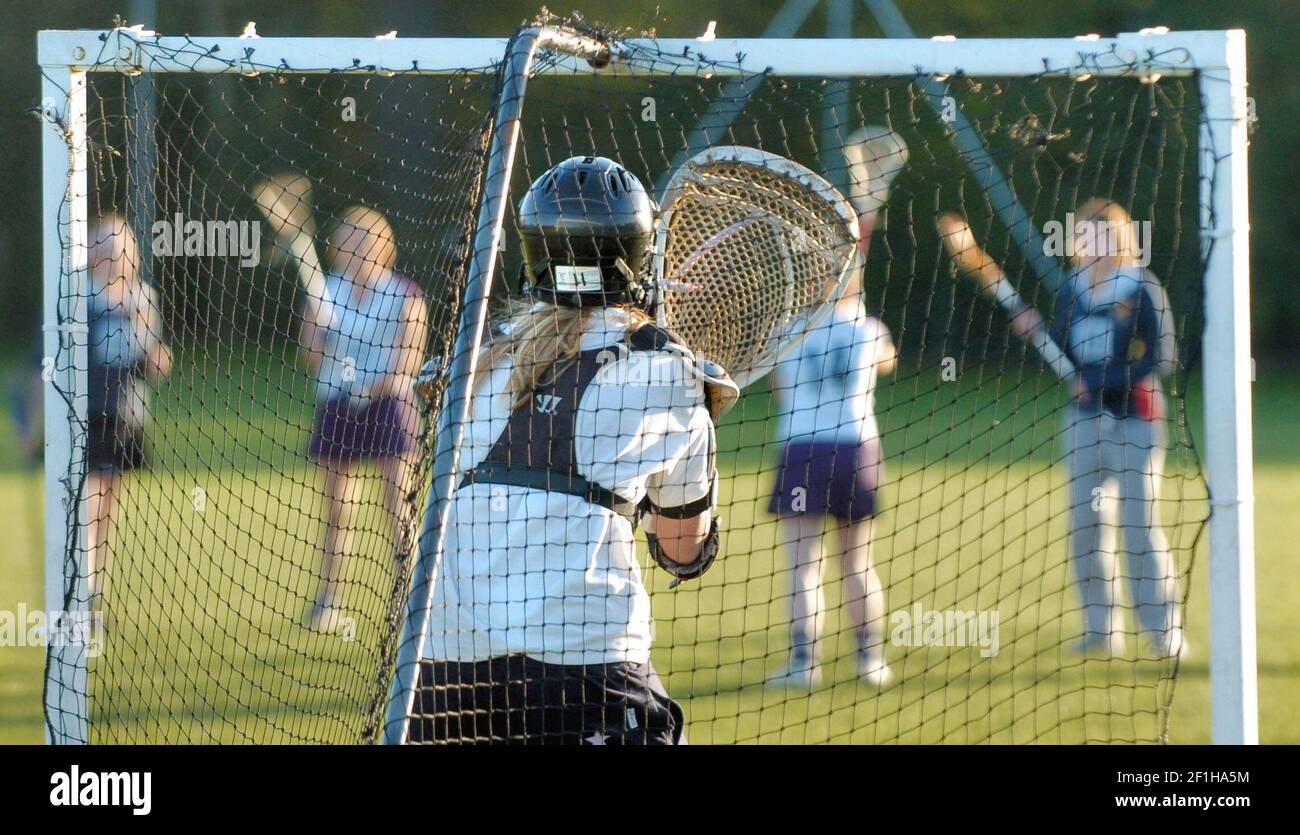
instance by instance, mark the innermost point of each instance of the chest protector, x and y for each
(536, 449)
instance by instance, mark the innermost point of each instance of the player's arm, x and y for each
(1166, 343)
(991, 281)
(313, 332)
(987, 274)
(311, 340)
(157, 362)
(681, 530)
(681, 540)
(886, 354)
(888, 361)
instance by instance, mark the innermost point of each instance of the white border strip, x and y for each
(1218, 55)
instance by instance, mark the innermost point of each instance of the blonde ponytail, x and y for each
(538, 338)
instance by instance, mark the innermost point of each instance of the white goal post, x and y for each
(1215, 58)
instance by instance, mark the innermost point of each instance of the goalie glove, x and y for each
(720, 391)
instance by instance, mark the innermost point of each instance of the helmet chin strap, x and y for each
(651, 299)
(528, 278)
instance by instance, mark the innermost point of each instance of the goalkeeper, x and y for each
(586, 419)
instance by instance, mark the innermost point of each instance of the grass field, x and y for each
(974, 523)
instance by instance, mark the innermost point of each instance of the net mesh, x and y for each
(207, 548)
(214, 488)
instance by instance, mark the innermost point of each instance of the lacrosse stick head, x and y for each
(285, 201)
(752, 251)
(875, 155)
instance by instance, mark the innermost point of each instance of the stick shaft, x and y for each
(1006, 296)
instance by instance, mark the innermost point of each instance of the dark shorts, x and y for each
(113, 445)
(842, 480)
(517, 700)
(382, 428)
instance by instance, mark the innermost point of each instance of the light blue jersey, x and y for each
(363, 341)
(828, 387)
(124, 328)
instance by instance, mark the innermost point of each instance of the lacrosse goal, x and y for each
(200, 575)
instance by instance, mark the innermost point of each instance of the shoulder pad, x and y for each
(651, 337)
(720, 391)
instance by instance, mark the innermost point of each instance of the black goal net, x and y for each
(926, 533)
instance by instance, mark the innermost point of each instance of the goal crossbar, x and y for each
(1181, 53)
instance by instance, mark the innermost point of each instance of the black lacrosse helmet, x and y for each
(586, 226)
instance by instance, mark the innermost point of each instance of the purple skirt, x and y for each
(382, 428)
(839, 479)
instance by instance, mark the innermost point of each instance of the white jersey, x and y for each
(828, 388)
(547, 574)
(363, 340)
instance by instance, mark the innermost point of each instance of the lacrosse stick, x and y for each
(752, 251)
(875, 155)
(285, 201)
(975, 263)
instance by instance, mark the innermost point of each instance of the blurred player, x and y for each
(127, 354)
(1112, 317)
(831, 465)
(584, 416)
(829, 478)
(365, 362)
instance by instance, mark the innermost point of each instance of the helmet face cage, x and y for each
(586, 229)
